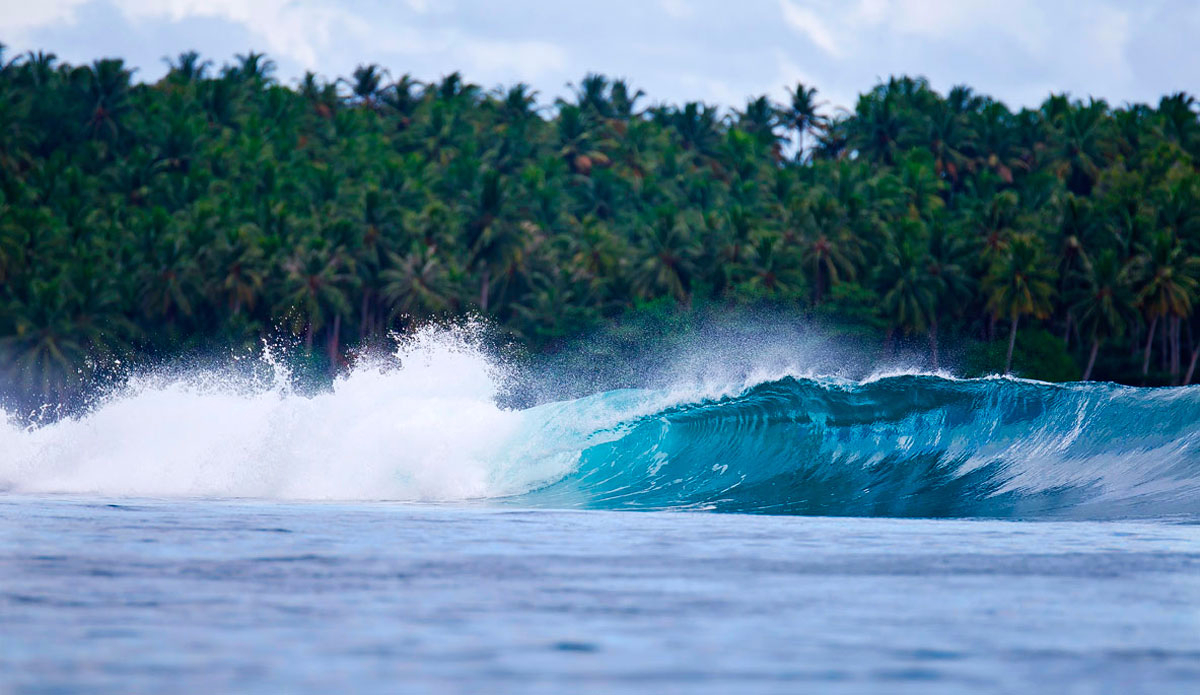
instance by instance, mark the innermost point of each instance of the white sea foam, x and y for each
(422, 425)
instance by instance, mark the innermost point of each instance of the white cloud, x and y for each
(1018, 50)
(806, 23)
(1022, 21)
(20, 16)
(298, 31)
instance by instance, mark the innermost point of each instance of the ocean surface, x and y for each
(769, 531)
(220, 596)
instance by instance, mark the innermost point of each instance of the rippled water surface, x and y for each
(209, 596)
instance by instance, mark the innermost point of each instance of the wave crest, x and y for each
(424, 425)
(913, 445)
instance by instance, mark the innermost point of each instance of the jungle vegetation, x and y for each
(217, 205)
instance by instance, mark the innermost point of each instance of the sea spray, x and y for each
(421, 424)
(424, 424)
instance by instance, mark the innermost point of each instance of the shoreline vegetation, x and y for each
(217, 207)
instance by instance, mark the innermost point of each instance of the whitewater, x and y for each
(752, 522)
(425, 424)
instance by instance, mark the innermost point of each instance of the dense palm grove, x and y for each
(215, 207)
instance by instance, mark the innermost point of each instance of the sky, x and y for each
(718, 51)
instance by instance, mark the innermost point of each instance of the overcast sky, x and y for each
(720, 51)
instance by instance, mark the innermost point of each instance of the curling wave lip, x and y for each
(903, 446)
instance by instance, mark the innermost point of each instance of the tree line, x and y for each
(216, 206)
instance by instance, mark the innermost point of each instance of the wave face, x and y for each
(425, 426)
(904, 446)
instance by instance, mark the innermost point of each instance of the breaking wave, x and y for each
(425, 426)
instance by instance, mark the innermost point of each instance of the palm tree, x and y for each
(106, 87)
(520, 102)
(171, 279)
(879, 124)
(402, 96)
(1107, 303)
(623, 100)
(49, 350)
(803, 115)
(581, 144)
(830, 259)
(948, 258)
(950, 135)
(997, 143)
(910, 290)
(551, 309)
(366, 85)
(453, 88)
(187, 68)
(774, 268)
(1082, 140)
(1178, 114)
(922, 184)
(417, 284)
(697, 126)
(1168, 287)
(239, 274)
(665, 258)
(596, 258)
(591, 96)
(1019, 284)
(252, 67)
(316, 290)
(760, 119)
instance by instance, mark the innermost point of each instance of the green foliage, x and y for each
(1038, 355)
(852, 311)
(218, 207)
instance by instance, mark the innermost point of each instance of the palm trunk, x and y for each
(334, 334)
(1191, 339)
(1163, 341)
(364, 321)
(1149, 344)
(1067, 332)
(1187, 379)
(1175, 359)
(483, 290)
(1087, 373)
(1012, 342)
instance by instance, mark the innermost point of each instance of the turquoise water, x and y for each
(904, 446)
(772, 532)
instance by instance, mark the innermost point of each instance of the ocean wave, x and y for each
(424, 425)
(903, 446)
